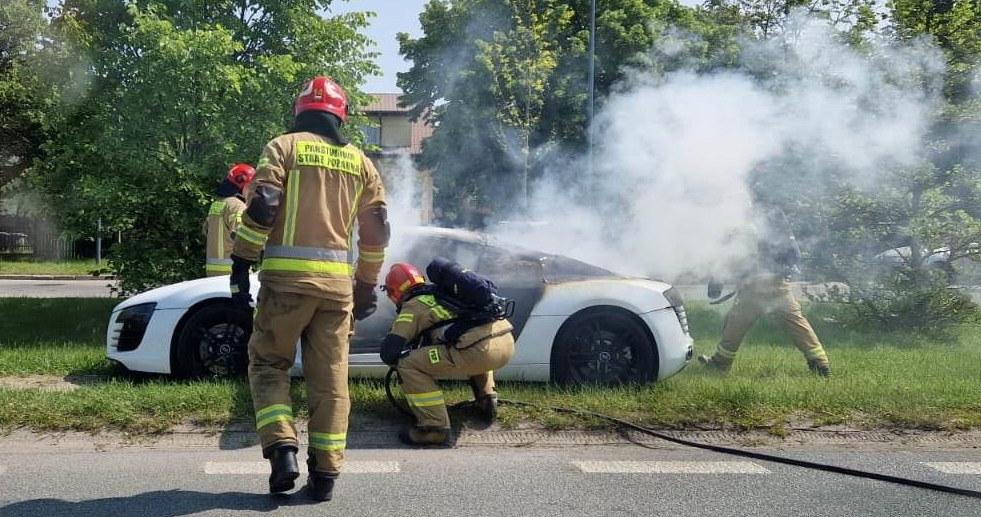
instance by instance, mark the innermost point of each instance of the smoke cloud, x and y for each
(675, 155)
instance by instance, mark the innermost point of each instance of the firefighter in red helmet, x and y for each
(310, 189)
(224, 218)
(430, 340)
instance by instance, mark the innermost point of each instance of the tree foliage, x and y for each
(505, 82)
(175, 92)
(518, 64)
(23, 97)
(486, 70)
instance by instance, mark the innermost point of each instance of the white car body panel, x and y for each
(154, 353)
(558, 301)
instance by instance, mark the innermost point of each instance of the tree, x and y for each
(519, 63)
(954, 26)
(485, 70)
(854, 19)
(179, 91)
(23, 95)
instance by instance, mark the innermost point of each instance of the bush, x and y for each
(902, 299)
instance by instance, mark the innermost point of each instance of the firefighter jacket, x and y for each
(224, 218)
(775, 253)
(303, 203)
(422, 322)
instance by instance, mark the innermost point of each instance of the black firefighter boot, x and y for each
(424, 435)
(282, 460)
(487, 407)
(822, 369)
(320, 485)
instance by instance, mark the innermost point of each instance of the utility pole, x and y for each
(592, 85)
(98, 243)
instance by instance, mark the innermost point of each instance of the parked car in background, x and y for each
(938, 259)
(574, 323)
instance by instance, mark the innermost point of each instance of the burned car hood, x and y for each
(558, 269)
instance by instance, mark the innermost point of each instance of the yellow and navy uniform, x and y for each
(765, 287)
(224, 218)
(475, 354)
(306, 196)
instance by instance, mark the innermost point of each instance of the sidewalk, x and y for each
(55, 286)
(53, 277)
(365, 435)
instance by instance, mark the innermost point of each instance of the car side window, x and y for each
(424, 250)
(504, 267)
(467, 255)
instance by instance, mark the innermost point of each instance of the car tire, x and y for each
(213, 343)
(603, 346)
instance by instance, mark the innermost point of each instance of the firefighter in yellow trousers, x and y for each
(478, 350)
(224, 218)
(765, 287)
(310, 188)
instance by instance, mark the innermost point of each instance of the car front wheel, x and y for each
(605, 347)
(213, 343)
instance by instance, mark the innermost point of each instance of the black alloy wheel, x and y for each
(213, 343)
(603, 347)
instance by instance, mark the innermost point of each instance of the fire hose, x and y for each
(392, 375)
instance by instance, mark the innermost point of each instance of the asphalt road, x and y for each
(500, 481)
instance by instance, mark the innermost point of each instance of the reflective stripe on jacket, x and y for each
(224, 218)
(423, 313)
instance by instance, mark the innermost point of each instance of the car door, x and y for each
(369, 332)
(518, 276)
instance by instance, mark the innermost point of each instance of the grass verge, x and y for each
(881, 380)
(67, 267)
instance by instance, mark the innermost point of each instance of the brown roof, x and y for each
(384, 103)
(388, 103)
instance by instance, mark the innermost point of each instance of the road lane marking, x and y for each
(262, 467)
(670, 467)
(955, 467)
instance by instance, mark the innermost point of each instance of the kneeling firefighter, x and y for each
(438, 335)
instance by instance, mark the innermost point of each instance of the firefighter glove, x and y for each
(365, 300)
(391, 349)
(239, 284)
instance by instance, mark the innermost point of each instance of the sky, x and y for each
(393, 16)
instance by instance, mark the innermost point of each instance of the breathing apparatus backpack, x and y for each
(468, 291)
(471, 296)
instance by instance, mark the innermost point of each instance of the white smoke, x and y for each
(403, 197)
(674, 154)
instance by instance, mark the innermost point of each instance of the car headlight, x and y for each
(674, 298)
(130, 326)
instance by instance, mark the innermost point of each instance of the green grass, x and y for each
(67, 267)
(880, 380)
(56, 336)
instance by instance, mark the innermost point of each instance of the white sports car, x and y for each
(573, 323)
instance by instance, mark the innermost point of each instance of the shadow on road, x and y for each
(162, 503)
(240, 433)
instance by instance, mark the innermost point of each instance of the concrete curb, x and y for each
(55, 277)
(235, 438)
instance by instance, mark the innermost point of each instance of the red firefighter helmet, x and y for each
(400, 279)
(240, 175)
(322, 94)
